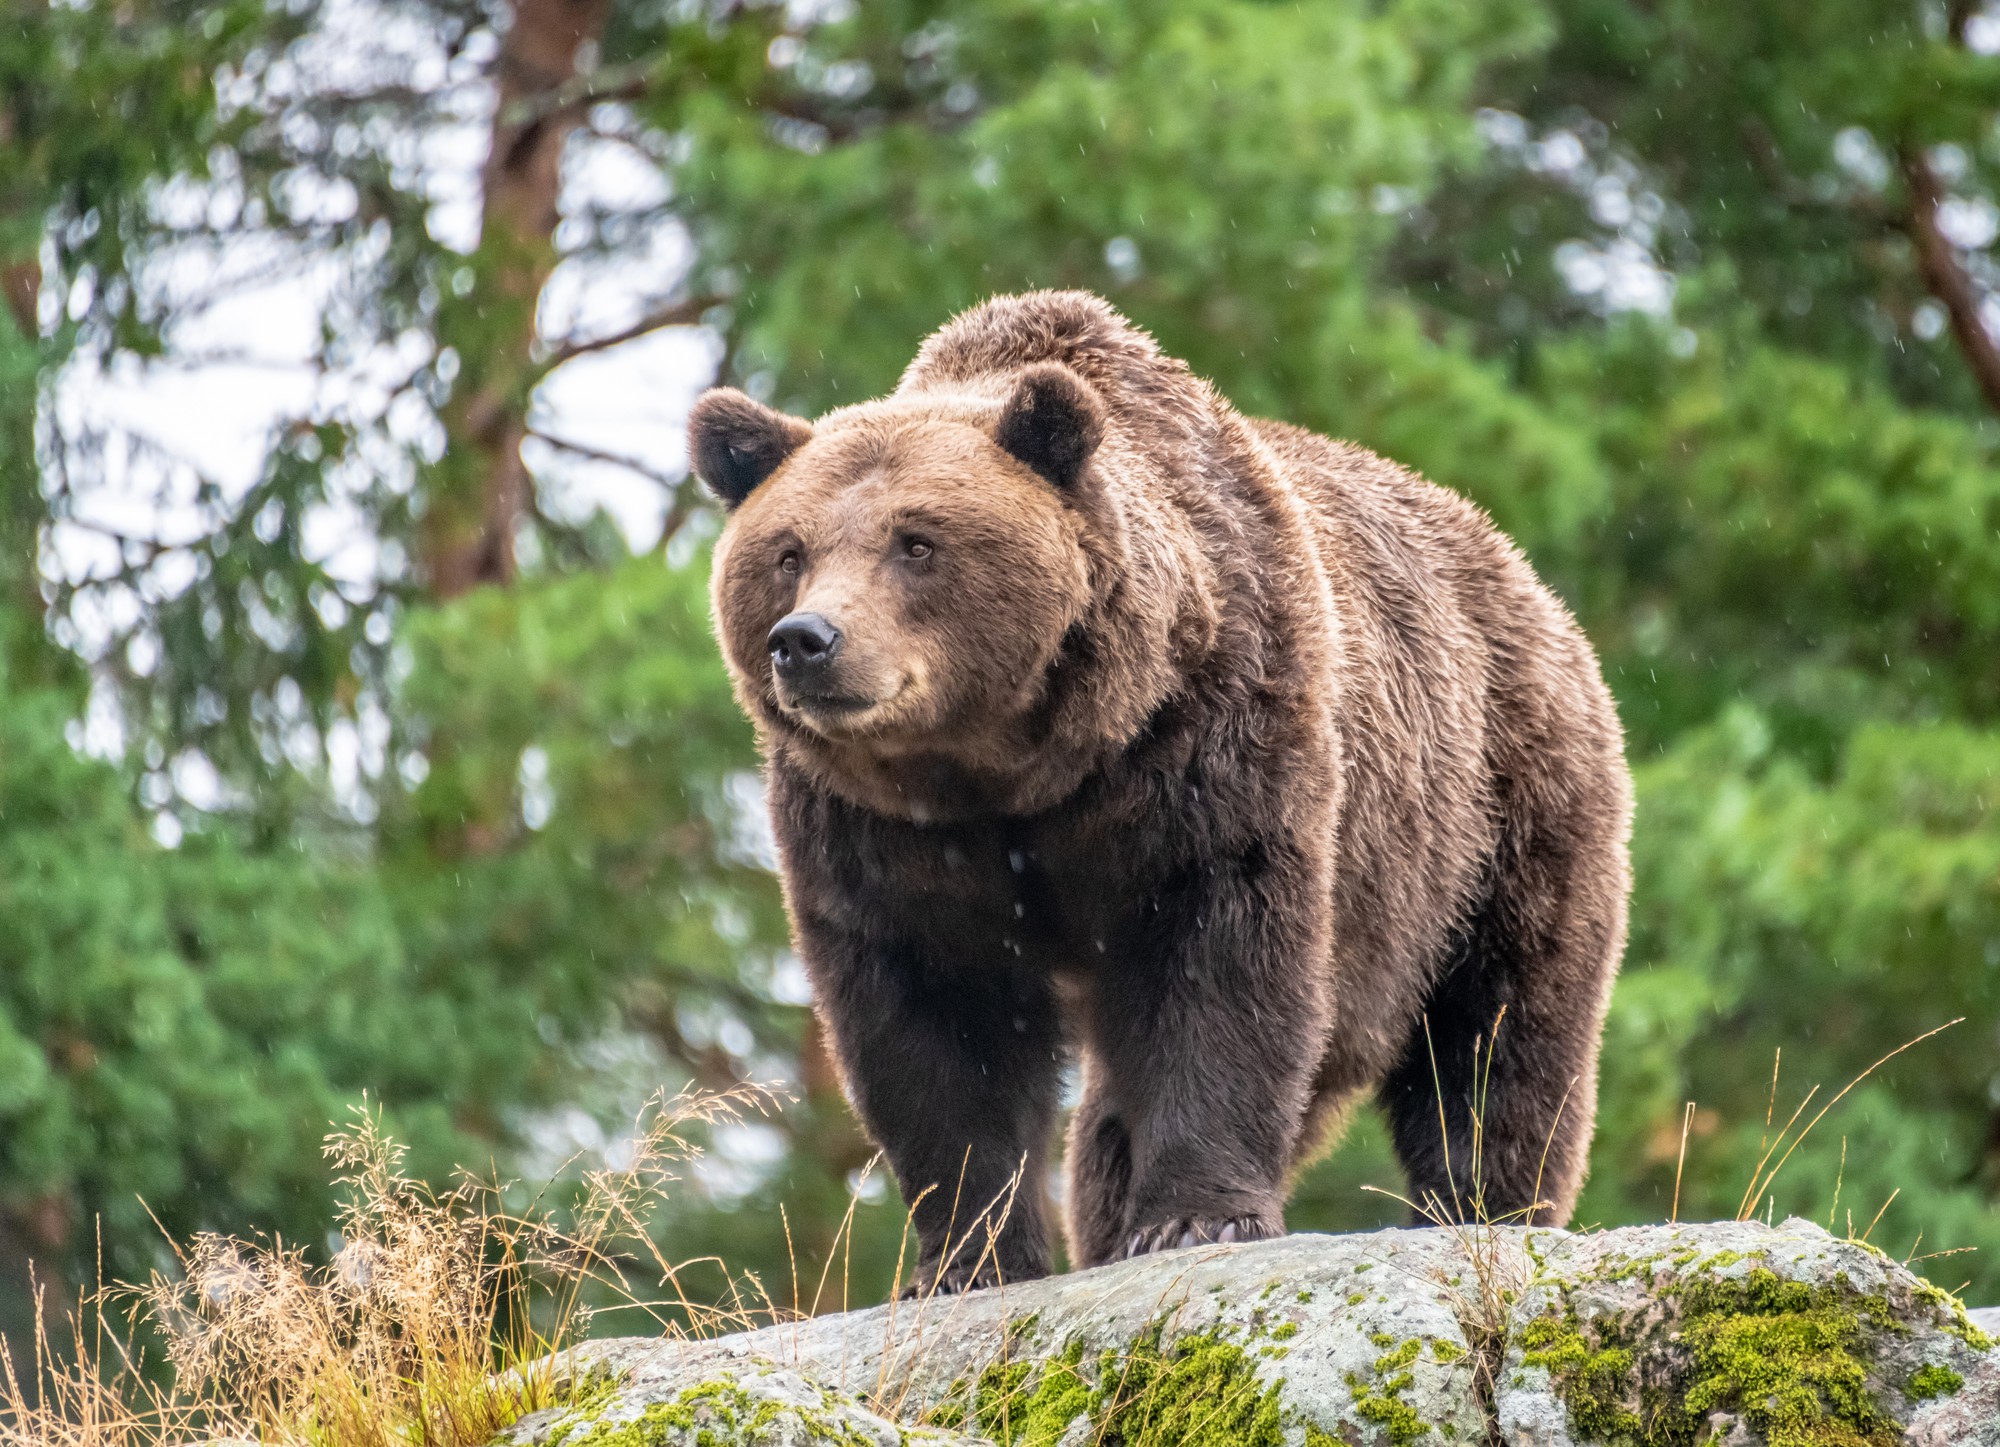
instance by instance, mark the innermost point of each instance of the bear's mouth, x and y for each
(842, 713)
(836, 704)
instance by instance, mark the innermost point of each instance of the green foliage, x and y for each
(1838, 919)
(178, 1028)
(574, 829)
(1243, 184)
(1783, 533)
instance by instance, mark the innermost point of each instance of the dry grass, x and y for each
(1777, 1150)
(1482, 1297)
(441, 1318)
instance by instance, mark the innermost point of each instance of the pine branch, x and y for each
(612, 82)
(616, 459)
(680, 314)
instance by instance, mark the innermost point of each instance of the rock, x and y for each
(1402, 1338)
(1354, 1337)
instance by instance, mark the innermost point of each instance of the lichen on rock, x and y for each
(759, 1407)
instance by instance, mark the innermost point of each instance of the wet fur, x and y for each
(1244, 765)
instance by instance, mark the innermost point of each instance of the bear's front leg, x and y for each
(954, 1071)
(1208, 1018)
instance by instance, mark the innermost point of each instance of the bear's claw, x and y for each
(1196, 1231)
(956, 1277)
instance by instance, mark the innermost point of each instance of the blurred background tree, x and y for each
(379, 743)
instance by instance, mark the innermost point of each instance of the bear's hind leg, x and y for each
(1492, 1112)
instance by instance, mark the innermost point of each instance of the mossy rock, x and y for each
(1735, 1332)
(1272, 1344)
(1725, 1335)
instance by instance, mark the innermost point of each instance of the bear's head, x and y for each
(896, 584)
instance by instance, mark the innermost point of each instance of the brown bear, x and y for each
(1248, 767)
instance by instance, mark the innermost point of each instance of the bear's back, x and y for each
(1459, 668)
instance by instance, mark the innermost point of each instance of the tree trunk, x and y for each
(1946, 278)
(480, 491)
(21, 507)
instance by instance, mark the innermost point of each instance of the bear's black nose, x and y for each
(802, 645)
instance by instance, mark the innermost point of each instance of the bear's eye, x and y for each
(788, 562)
(919, 548)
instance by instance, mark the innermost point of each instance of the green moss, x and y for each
(1624, 1268)
(948, 1414)
(1305, 1296)
(695, 1414)
(1284, 1331)
(1398, 1418)
(1781, 1355)
(712, 1414)
(1955, 1321)
(1446, 1352)
(1785, 1358)
(1401, 1357)
(1203, 1391)
(1593, 1382)
(1933, 1381)
(1381, 1401)
(586, 1396)
(1356, 1298)
(1009, 1412)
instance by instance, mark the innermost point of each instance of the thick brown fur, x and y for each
(1244, 765)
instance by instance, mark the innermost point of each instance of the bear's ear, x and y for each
(736, 442)
(1053, 422)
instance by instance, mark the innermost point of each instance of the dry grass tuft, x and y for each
(1786, 1142)
(1482, 1299)
(440, 1319)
